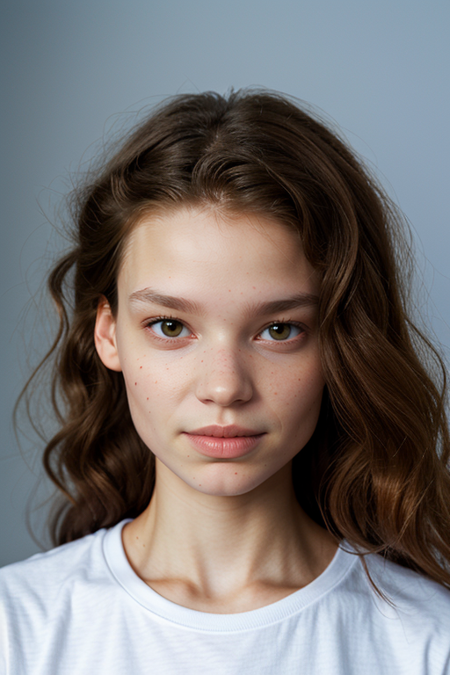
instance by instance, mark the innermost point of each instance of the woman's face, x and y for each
(216, 337)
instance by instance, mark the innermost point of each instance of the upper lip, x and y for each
(224, 432)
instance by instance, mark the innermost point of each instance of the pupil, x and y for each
(171, 328)
(280, 331)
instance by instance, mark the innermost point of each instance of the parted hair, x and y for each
(375, 471)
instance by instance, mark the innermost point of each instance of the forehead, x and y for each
(199, 251)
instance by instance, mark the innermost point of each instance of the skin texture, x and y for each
(219, 535)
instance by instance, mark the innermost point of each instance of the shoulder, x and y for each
(409, 620)
(404, 595)
(68, 590)
(35, 583)
(411, 592)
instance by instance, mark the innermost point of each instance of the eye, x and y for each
(281, 332)
(169, 328)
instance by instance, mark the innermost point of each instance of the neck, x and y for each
(217, 553)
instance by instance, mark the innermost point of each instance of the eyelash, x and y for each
(160, 319)
(295, 324)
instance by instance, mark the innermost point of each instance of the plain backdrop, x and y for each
(72, 72)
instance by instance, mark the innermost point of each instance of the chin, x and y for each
(223, 479)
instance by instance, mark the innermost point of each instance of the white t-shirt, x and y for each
(80, 609)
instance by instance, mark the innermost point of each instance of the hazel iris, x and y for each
(280, 331)
(171, 328)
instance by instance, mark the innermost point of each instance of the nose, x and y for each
(223, 378)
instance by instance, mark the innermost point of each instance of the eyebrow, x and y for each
(293, 302)
(149, 295)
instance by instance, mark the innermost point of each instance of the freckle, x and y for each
(156, 381)
(137, 537)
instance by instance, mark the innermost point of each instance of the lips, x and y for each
(230, 442)
(231, 431)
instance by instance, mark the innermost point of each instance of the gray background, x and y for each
(72, 71)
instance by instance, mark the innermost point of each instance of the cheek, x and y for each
(147, 400)
(297, 392)
(153, 384)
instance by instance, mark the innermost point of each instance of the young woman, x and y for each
(253, 453)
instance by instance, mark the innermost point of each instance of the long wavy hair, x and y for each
(375, 471)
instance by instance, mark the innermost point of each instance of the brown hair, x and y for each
(375, 471)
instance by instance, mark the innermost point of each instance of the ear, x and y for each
(105, 336)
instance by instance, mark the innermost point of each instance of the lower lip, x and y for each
(224, 448)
